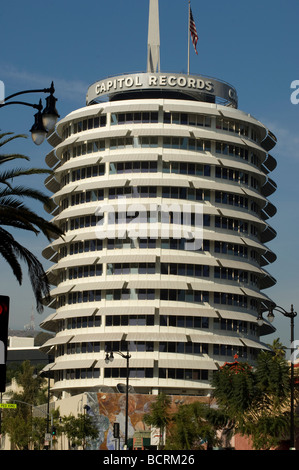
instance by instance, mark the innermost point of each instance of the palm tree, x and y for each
(159, 416)
(15, 214)
(278, 348)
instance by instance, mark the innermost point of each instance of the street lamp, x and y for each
(109, 358)
(292, 314)
(47, 374)
(44, 120)
(85, 410)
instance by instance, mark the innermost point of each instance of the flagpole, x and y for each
(189, 40)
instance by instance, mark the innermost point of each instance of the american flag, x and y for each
(193, 31)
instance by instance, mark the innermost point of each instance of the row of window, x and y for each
(232, 249)
(130, 268)
(183, 168)
(144, 117)
(179, 374)
(163, 347)
(84, 197)
(115, 372)
(175, 269)
(130, 320)
(84, 125)
(236, 300)
(77, 374)
(192, 296)
(88, 172)
(171, 142)
(88, 246)
(183, 374)
(239, 326)
(93, 146)
(236, 176)
(79, 272)
(139, 346)
(80, 322)
(239, 152)
(196, 271)
(133, 167)
(236, 127)
(228, 350)
(222, 197)
(193, 119)
(136, 372)
(235, 275)
(190, 194)
(121, 373)
(226, 223)
(174, 321)
(137, 294)
(232, 224)
(187, 143)
(184, 119)
(178, 168)
(80, 348)
(183, 348)
(188, 119)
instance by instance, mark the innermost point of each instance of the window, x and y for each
(199, 145)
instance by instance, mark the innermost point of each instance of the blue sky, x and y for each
(252, 45)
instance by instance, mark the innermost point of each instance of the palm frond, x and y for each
(30, 219)
(12, 156)
(8, 254)
(9, 139)
(14, 213)
(37, 275)
(23, 192)
(16, 172)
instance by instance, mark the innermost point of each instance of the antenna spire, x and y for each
(153, 46)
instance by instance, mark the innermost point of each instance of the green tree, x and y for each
(16, 215)
(257, 400)
(234, 389)
(38, 430)
(278, 348)
(191, 428)
(159, 415)
(78, 430)
(18, 424)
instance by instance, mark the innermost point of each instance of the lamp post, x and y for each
(292, 314)
(44, 120)
(109, 358)
(85, 410)
(47, 375)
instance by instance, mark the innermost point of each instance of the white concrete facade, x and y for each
(183, 312)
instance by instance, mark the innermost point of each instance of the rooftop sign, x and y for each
(192, 85)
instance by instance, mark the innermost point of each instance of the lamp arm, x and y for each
(290, 314)
(36, 106)
(42, 90)
(124, 356)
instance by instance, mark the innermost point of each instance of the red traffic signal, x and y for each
(4, 305)
(4, 312)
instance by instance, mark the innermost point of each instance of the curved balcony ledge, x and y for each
(268, 188)
(269, 142)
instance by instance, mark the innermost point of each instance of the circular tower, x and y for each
(161, 186)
